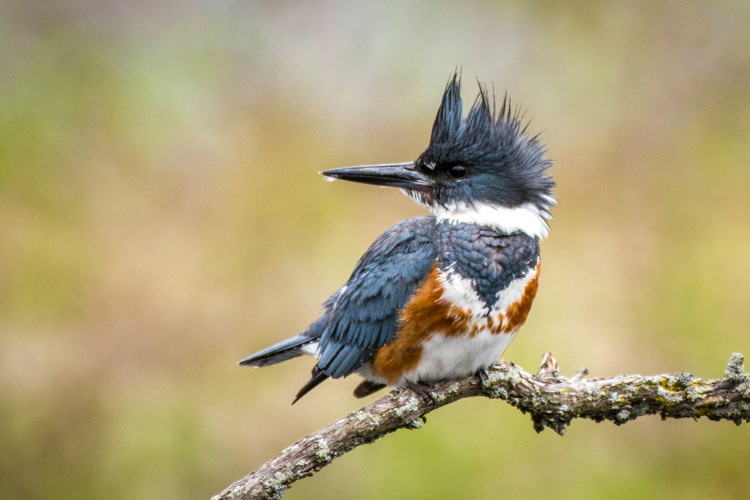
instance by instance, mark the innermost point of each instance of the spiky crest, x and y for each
(490, 141)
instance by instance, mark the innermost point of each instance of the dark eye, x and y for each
(457, 171)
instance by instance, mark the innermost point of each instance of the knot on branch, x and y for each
(531, 393)
(735, 371)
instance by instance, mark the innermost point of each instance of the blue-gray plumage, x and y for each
(365, 313)
(491, 260)
(439, 296)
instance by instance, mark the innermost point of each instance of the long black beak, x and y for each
(400, 175)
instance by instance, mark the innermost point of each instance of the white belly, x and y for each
(446, 357)
(479, 335)
(457, 357)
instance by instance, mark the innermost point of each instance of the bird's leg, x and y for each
(483, 376)
(423, 390)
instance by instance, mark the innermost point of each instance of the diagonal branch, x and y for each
(553, 401)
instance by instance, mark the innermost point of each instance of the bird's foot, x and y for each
(423, 390)
(484, 377)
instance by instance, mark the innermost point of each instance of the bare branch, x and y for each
(553, 401)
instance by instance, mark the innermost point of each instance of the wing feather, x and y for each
(365, 314)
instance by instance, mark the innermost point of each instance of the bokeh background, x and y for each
(161, 217)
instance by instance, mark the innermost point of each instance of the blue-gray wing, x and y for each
(365, 313)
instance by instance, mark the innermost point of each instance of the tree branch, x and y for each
(553, 401)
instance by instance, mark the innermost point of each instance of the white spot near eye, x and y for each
(430, 165)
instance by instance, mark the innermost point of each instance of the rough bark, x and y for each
(553, 401)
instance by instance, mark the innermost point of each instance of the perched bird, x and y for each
(440, 296)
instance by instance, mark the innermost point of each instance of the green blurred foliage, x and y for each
(162, 217)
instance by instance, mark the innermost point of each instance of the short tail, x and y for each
(284, 350)
(317, 378)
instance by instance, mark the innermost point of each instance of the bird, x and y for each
(441, 296)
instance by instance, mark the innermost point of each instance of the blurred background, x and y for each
(162, 217)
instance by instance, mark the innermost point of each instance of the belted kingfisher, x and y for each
(440, 296)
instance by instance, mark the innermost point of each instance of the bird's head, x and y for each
(483, 169)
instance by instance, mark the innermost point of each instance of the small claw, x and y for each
(424, 391)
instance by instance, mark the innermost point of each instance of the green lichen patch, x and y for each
(735, 371)
(322, 452)
(411, 405)
(493, 383)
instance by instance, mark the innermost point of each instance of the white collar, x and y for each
(527, 218)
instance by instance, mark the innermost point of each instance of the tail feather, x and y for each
(318, 376)
(284, 350)
(367, 387)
